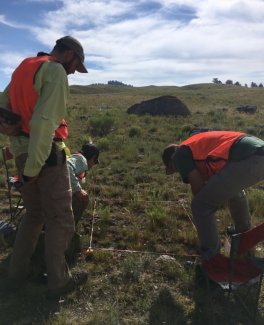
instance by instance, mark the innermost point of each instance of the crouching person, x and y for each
(78, 164)
(219, 166)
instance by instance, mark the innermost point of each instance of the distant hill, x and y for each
(104, 89)
(98, 89)
(198, 97)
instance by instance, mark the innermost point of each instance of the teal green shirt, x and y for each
(241, 149)
(77, 165)
(51, 84)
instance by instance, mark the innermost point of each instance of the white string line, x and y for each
(140, 252)
(136, 201)
(92, 227)
(128, 250)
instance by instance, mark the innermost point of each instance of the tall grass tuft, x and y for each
(156, 216)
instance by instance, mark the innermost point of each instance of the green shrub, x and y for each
(135, 131)
(101, 126)
(103, 144)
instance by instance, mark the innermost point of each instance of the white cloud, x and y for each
(9, 62)
(234, 10)
(9, 23)
(125, 41)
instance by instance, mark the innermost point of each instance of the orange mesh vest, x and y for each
(211, 150)
(22, 94)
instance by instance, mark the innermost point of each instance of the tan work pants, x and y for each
(47, 202)
(227, 186)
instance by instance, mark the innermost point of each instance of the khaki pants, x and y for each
(47, 202)
(227, 186)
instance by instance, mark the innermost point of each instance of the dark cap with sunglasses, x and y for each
(73, 44)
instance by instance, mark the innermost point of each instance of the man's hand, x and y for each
(196, 181)
(82, 196)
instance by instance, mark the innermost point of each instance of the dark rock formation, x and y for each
(249, 109)
(164, 105)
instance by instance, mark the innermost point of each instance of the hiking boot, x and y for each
(76, 280)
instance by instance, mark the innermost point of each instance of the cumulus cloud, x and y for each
(161, 41)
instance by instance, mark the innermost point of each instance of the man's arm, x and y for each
(77, 190)
(196, 181)
(75, 184)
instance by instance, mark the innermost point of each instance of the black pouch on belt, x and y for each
(53, 159)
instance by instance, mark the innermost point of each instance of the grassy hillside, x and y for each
(197, 97)
(139, 213)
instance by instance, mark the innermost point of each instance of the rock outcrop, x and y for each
(163, 105)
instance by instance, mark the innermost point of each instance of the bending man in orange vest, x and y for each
(218, 165)
(38, 92)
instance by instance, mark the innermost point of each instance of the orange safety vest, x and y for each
(23, 96)
(211, 149)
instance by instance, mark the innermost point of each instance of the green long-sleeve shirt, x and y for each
(51, 84)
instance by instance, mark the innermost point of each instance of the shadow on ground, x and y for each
(165, 310)
(28, 305)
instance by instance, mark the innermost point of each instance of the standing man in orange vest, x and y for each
(38, 92)
(218, 165)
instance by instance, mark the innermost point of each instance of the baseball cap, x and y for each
(73, 44)
(90, 150)
(167, 153)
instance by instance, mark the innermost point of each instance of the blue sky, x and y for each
(141, 42)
